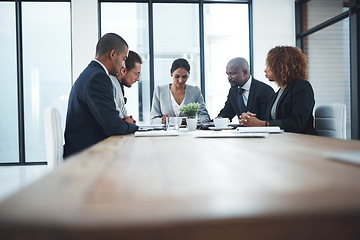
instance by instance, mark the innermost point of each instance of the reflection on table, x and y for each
(182, 187)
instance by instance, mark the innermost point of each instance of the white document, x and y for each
(229, 134)
(259, 129)
(156, 133)
(151, 126)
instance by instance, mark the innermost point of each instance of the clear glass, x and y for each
(226, 37)
(9, 143)
(176, 35)
(329, 66)
(132, 25)
(47, 68)
(318, 11)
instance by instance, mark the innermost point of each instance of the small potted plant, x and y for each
(190, 111)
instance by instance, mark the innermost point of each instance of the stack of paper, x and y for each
(145, 127)
(259, 129)
(229, 134)
(156, 133)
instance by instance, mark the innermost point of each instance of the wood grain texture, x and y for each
(280, 187)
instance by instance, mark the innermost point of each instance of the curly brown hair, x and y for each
(287, 64)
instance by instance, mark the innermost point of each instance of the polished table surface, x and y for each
(182, 187)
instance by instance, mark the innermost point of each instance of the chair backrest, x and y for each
(53, 137)
(330, 120)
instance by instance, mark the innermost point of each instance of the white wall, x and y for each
(273, 24)
(84, 23)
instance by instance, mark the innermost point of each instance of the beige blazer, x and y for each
(162, 104)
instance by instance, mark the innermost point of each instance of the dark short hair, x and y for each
(132, 58)
(108, 42)
(180, 63)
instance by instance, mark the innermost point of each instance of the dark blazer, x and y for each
(92, 115)
(258, 100)
(294, 109)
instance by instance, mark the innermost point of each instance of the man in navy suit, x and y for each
(92, 115)
(246, 93)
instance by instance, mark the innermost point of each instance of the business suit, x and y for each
(294, 108)
(92, 115)
(258, 101)
(162, 103)
(119, 96)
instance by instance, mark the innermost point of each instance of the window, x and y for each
(47, 69)
(319, 11)
(9, 142)
(45, 75)
(328, 52)
(175, 29)
(329, 66)
(226, 37)
(132, 25)
(176, 36)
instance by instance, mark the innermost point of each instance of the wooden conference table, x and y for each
(181, 187)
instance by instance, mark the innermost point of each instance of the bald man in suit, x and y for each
(246, 93)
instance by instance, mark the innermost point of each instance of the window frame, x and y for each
(20, 82)
(201, 34)
(354, 19)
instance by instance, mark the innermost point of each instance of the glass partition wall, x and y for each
(207, 34)
(36, 73)
(324, 37)
(46, 69)
(132, 25)
(9, 141)
(226, 37)
(36, 40)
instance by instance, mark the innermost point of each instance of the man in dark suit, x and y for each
(92, 114)
(246, 93)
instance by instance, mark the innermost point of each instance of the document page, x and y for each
(259, 129)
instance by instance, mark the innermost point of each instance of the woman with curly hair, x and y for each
(292, 106)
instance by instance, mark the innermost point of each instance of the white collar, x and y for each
(247, 85)
(102, 66)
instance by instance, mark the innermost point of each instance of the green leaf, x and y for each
(190, 110)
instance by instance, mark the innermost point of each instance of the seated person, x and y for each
(169, 98)
(127, 76)
(92, 115)
(292, 106)
(246, 93)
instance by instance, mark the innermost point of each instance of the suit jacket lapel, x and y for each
(252, 94)
(234, 99)
(286, 90)
(169, 97)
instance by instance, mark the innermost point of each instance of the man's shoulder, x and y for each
(258, 82)
(91, 69)
(261, 85)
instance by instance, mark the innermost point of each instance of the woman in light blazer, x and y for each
(167, 99)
